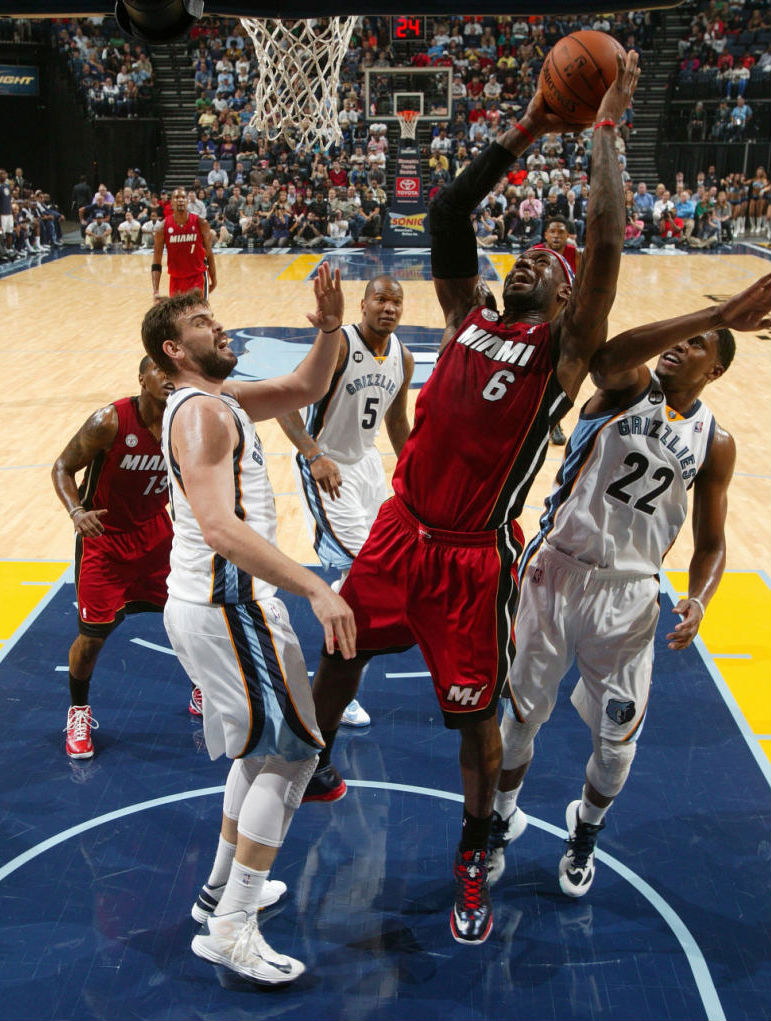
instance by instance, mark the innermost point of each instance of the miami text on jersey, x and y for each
(143, 462)
(510, 352)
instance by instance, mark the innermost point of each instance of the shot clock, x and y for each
(408, 28)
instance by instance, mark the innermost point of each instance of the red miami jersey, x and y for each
(482, 425)
(130, 478)
(185, 252)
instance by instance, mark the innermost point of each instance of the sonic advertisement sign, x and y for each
(406, 224)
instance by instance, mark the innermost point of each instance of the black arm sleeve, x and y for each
(453, 244)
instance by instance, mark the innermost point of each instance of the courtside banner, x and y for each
(19, 81)
(406, 223)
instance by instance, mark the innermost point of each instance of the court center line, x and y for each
(693, 954)
(727, 695)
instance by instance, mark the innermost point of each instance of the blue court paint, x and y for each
(698, 965)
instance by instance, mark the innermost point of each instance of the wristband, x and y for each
(315, 457)
(693, 599)
(525, 132)
(604, 124)
(156, 267)
(338, 327)
(75, 510)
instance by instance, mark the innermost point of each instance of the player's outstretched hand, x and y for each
(618, 98)
(87, 522)
(330, 305)
(685, 632)
(326, 472)
(336, 618)
(750, 309)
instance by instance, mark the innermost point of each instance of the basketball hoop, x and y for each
(408, 122)
(298, 71)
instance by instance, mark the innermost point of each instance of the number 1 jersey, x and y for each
(482, 424)
(620, 496)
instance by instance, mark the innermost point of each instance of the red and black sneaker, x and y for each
(471, 920)
(195, 708)
(326, 784)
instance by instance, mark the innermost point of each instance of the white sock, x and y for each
(242, 891)
(223, 860)
(589, 812)
(505, 802)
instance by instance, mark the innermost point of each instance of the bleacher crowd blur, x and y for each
(260, 194)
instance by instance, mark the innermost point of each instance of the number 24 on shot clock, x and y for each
(408, 26)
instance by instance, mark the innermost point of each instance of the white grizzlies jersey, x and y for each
(346, 420)
(199, 574)
(620, 496)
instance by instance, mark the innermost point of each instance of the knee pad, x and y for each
(240, 778)
(517, 739)
(609, 765)
(273, 798)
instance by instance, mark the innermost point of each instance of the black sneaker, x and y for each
(326, 784)
(557, 436)
(502, 833)
(576, 870)
(471, 920)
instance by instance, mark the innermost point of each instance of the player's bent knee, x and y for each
(273, 798)
(517, 741)
(609, 765)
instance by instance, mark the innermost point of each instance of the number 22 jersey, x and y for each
(621, 494)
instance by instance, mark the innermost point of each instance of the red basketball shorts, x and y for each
(199, 281)
(454, 593)
(119, 573)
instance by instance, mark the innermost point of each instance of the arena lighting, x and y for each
(157, 21)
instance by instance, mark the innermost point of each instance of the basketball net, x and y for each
(408, 123)
(298, 71)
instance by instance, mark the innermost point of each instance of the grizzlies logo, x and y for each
(619, 712)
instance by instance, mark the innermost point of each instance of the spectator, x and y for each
(128, 231)
(527, 230)
(741, 116)
(217, 176)
(98, 233)
(697, 123)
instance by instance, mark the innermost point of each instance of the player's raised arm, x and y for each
(620, 363)
(272, 398)
(95, 436)
(583, 324)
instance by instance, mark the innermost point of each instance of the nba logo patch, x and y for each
(275, 613)
(698, 427)
(537, 575)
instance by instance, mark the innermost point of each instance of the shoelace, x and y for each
(498, 831)
(472, 876)
(80, 724)
(249, 942)
(582, 843)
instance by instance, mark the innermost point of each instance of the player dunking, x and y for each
(189, 257)
(122, 530)
(338, 470)
(590, 589)
(439, 566)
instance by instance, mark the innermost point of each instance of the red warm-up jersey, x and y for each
(130, 478)
(482, 424)
(185, 251)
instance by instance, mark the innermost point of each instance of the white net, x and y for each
(298, 71)
(408, 123)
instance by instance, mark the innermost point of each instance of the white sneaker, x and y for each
(355, 715)
(576, 869)
(235, 941)
(210, 896)
(502, 833)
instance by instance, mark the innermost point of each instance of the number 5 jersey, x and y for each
(620, 496)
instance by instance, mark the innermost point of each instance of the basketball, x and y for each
(576, 74)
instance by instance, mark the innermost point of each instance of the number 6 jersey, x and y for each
(346, 420)
(620, 496)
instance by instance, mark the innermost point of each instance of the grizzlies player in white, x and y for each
(338, 470)
(590, 577)
(230, 632)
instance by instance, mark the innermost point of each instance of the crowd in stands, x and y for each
(30, 222)
(725, 54)
(114, 78)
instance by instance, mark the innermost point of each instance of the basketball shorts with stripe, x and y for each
(605, 622)
(247, 661)
(339, 528)
(452, 593)
(198, 281)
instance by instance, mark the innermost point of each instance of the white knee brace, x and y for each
(272, 799)
(517, 739)
(240, 778)
(609, 765)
